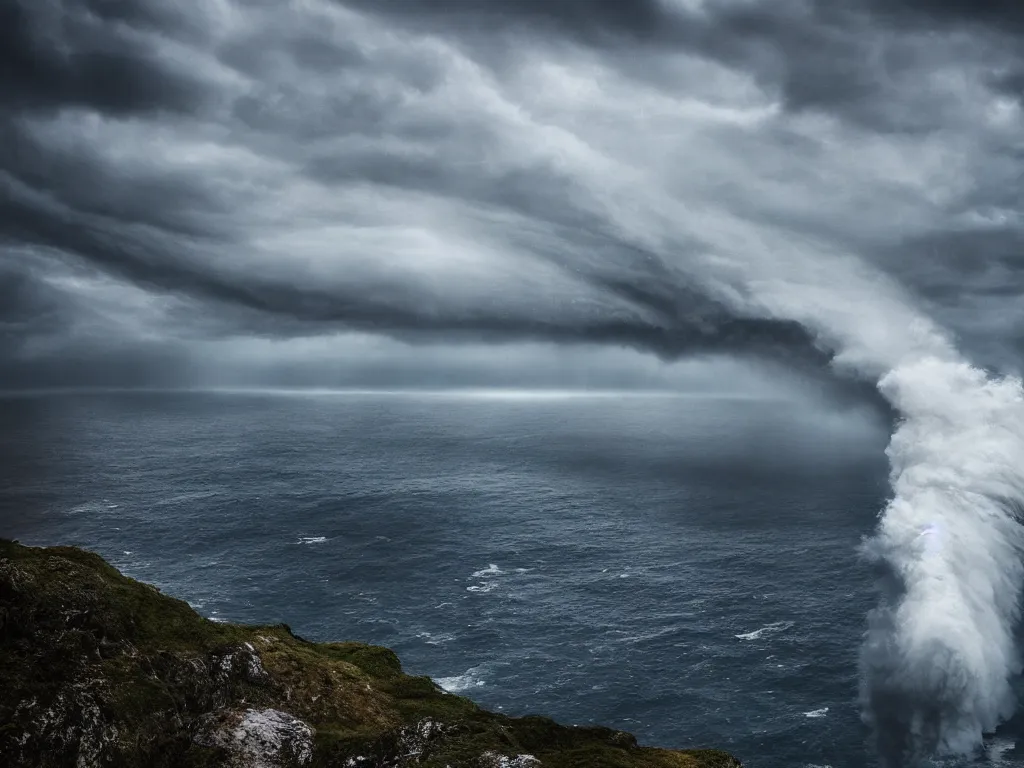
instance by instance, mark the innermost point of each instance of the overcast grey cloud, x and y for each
(673, 176)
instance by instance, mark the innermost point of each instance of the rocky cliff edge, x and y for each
(97, 669)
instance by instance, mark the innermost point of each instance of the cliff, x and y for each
(97, 669)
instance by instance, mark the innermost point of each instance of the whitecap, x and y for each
(432, 639)
(484, 586)
(769, 629)
(311, 540)
(459, 683)
(644, 636)
(490, 570)
(91, 507)
(815, 713)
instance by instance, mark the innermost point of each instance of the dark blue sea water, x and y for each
(684, 568)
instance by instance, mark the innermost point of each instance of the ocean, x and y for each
(684, 567)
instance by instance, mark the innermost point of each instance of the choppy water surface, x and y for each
(681, 567)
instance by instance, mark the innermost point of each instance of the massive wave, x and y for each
(940, 653)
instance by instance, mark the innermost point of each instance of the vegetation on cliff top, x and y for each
(99, 669)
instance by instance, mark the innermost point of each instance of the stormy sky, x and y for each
(607, 193)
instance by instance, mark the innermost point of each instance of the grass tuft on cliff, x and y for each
(98, 669)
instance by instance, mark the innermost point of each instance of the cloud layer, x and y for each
(664, 174)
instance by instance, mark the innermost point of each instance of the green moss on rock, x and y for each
(102, 670)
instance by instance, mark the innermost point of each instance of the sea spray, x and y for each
(939, 653)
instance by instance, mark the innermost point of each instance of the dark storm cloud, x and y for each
(151, 227)
(1001, 14)
(650, 174)
(58, 53)
(679, 322)
(846, 58)
(53, 335)
(648, 17)
(73, 178)
(27, 309)
(602, 20)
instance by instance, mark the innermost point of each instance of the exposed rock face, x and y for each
(260, 738)
(99, 670)
(493, 760)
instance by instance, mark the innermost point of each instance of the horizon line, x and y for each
(469, 392)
